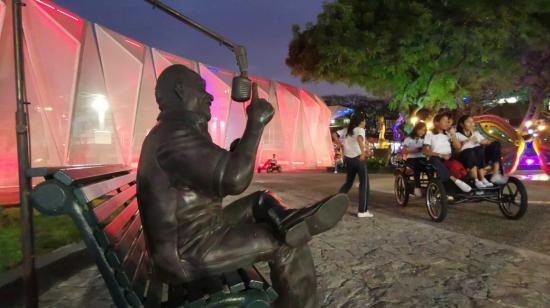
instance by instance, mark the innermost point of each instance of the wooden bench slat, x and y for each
(114, 228)
(91, 170)
(78, 174)
(90, 192)
(141, 276)
(129, 238)
(131, 262)
(105, 209)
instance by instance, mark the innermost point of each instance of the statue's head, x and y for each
(181, 90)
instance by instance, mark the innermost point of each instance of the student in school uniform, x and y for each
(437, 147)
(355, 155)
(477, 153)
(412, 148)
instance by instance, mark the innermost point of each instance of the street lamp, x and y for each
(101, 105)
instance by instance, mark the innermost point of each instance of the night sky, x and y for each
(262, 26)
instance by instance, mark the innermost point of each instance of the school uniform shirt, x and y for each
(414, 143)
(467, 143)
(351, 146)
(440, 142)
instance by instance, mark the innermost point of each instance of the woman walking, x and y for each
(354, 158)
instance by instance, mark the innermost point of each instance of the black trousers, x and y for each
(493, 153)
(481, 156)
(473, 157)
(442, 171)
(355, 166)
(418, 165)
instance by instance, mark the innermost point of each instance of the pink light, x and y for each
(529, 161)
(46, 4)
(67, 14)
(133, 43)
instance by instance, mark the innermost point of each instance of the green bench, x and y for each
(101, 202)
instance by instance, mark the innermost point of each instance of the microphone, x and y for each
(240, 89)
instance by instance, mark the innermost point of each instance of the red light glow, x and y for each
(67, 14)
(133, 43)
(46, 4)
(56, 9)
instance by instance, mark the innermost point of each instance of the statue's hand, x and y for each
(259, 110)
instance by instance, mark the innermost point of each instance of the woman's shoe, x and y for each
(479, 184)
(366, 214)
(463, 186)
(487, 183)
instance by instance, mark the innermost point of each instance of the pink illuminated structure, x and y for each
(92, 98)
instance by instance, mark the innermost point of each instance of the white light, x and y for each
(509, 100)
(100, 104)
(414, 120)
(528, 123)
(332, 121)
(535, 134)
(541, 127)
(530, 131)
(491, 131)
(48, 108)
(429, 125)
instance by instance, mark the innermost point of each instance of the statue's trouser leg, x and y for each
(255, 220)
(293, 276)
(295, 227)
(241, 245)
(240, 211)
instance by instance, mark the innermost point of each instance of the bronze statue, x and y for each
(182, 178)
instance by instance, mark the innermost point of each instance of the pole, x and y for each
(238, 50)
(23, 159)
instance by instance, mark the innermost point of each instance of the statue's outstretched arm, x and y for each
(238, 168)
(194, 159)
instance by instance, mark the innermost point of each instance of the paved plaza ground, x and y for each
(399, 258)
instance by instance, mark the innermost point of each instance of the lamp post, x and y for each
(23, 159)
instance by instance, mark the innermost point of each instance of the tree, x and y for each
(421, 52)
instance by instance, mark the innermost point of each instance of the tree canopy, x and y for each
(427, 53)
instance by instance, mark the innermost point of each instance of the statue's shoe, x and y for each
(297, 226)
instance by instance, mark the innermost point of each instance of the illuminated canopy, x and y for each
(92, 98)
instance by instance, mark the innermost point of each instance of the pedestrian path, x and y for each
(386, 261)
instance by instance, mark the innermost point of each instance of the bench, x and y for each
(101, 200)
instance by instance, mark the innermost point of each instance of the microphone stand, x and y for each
(238, 50)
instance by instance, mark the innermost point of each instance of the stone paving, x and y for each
(386, 261)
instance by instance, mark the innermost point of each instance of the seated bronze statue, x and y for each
(182, 178)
